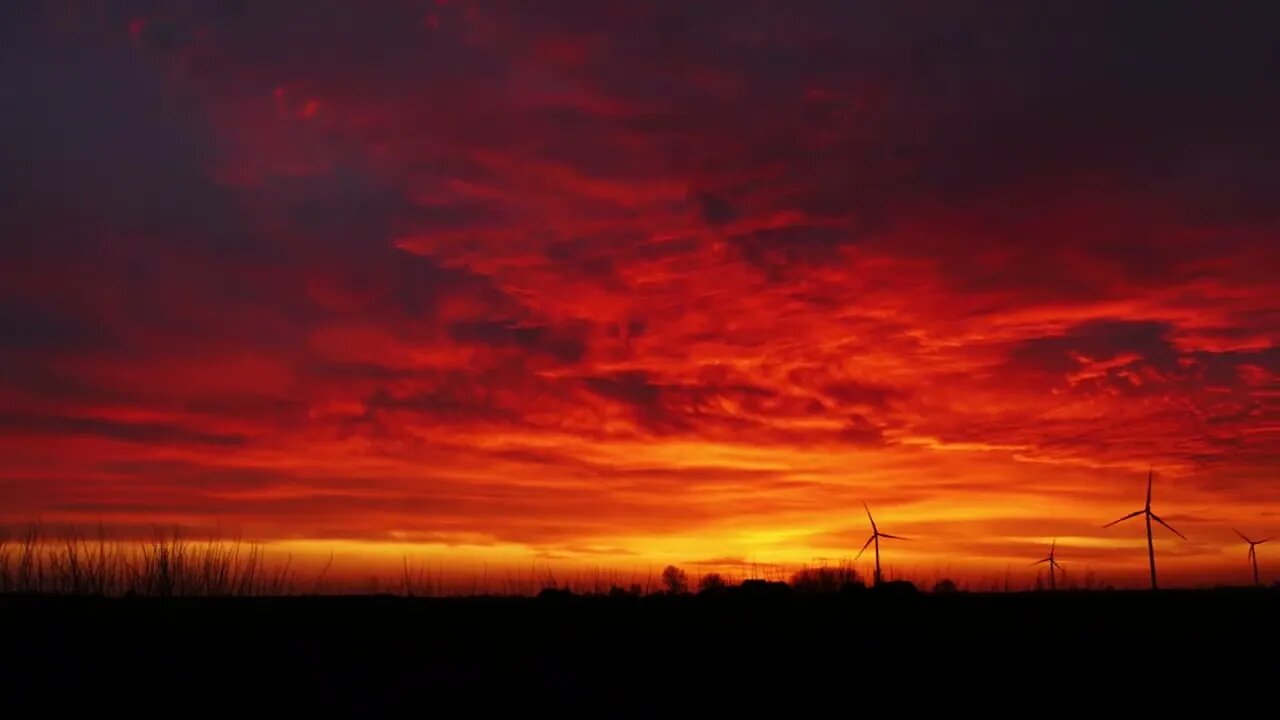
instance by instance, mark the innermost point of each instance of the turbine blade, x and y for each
(1151, 474)
(864, 547)
(895, 537)
(1242, 536)
(873, 520)
(1264, 540)
(1053, 547)
(1167, 525)
(1040, 562)
(1133, 514)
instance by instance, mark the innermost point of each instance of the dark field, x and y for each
(386, 656)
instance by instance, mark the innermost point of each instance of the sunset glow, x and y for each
(579, 285)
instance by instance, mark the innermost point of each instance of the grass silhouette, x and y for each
(71, 562)
(166, 566)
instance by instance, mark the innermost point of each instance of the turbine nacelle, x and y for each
(875, 538)
(1052, 562)
(1252, 543)
(1149, 515)
(1253, 553)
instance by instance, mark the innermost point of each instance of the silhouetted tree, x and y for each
(824, 579)
(945, 586)
(674, 580)
(555, 594)
(897, 587)
(711, 582)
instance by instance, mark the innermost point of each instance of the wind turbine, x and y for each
(1146, 510)
(1054, 567)
(875, 538)
(1253, 553)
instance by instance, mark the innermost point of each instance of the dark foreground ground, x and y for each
(399, 657)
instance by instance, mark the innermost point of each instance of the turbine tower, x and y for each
(1054, 567)
(1253, 553)
(875, 538)
(1146, 510)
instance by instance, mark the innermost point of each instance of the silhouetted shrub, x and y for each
(945, 586)
(763, 588)
(674, 580)
(853, 588)
(712, 582)
(824, 580)
(618, 593)
(897, 587)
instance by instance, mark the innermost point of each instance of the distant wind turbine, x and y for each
(1151, 546)
(1253, 553)
(1054, 567)
(875, 538)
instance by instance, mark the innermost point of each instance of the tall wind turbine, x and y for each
(1054, 567)
(1253, 553)
(1151, 546)
(875, 538)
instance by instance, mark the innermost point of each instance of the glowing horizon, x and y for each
(625, 286)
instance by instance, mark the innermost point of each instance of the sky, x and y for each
(611, 285)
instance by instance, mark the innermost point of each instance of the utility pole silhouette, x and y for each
(875, 537)
(1151, 546)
